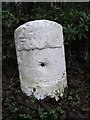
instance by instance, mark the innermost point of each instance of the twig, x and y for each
(13, 75)
(43, 105)
(26, 105)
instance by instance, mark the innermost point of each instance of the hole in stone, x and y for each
(42, 64)
(34, 89)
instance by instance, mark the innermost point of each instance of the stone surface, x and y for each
(41, 59)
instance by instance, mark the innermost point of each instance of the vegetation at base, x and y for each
(75, 19)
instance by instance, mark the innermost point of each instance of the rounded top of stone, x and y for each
(39, 34)
(38, 22)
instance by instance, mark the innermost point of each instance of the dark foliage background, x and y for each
(75, 19)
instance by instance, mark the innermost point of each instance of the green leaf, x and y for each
(80, 36)
(86, 27)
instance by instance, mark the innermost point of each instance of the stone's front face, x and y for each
(38, 35)
(41, 60)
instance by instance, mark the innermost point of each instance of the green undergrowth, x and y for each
(76, 28)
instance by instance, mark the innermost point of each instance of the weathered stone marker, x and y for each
(41, 60)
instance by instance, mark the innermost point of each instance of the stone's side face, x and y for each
(41, 59)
